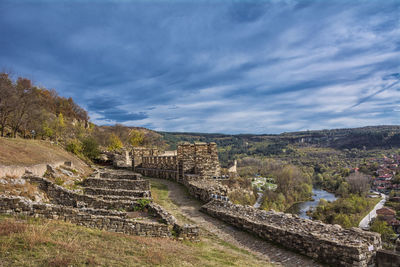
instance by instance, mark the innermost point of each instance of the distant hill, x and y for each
(387, 136)
(371, 137)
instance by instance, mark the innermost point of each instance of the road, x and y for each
(364, 223)
(189, 208)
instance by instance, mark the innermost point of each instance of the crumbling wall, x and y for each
(62, 196)
(143, 185)
(138, 153)
(206, 160)
(326, 243)
(17, 205)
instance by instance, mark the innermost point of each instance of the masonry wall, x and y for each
(17, 205)
(206, 160)
(385, 258)
(138, 152)
(62, 196)
(330, 244)
(143, 185)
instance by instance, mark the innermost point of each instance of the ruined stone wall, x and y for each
(385, 258)
(198, 158)
(160, 162)
(63, 196)
(117, 192)
(143, 185)
(186, 154)
(158, 173)
(326, 243)
(138, 153)
(206, 160)
(17, 205)
(203, 189)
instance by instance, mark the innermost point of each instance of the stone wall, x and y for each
(138, 152)
(330, 244)
(117, 192)
(118, 184)
(200, 159)
(159, 173)
(385, 258)
(160, 162)
(17, 205)
(62, 196)
(203, 189)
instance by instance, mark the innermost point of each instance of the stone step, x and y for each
(122, 198)
(116, 192)
(142, 185)
(124, 176)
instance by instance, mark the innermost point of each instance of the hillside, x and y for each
(28, 152)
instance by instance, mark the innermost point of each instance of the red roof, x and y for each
(385, 211)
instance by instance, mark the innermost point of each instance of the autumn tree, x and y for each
(114, 142)
(136, 137)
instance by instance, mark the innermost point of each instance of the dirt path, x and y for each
(189, 207)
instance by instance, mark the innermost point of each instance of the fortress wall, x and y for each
(187, 155)
(330, 244)
(206, 160)
(138, 152)
(17, 205)
(159, 162)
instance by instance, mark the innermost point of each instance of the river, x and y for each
(302, 207)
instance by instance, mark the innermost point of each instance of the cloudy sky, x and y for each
(212, 66)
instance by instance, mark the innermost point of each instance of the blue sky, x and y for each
(213, 66)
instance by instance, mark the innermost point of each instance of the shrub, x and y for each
(142, 203)
(114, 142)
(74, 146)
(90, 148)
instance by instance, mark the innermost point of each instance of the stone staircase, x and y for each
(117, 185)
(114, 200)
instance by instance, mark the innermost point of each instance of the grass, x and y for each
(41, 242)
(159, 193)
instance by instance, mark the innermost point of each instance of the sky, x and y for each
(212, 66)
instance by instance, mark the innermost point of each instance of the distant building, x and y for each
(386, 214)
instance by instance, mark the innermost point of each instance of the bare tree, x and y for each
(358, 183)
(6, 100)
(24, 97)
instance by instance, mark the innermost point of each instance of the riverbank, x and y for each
(302, 208)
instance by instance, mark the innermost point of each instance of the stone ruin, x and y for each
(194, 165)
(113, 200)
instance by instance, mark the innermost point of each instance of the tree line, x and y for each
(32, 111)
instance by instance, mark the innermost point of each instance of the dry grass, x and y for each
(39, 242)
(24, 190)
(24, 152)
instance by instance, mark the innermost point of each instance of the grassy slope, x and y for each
(25, 152)
(39, 242)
